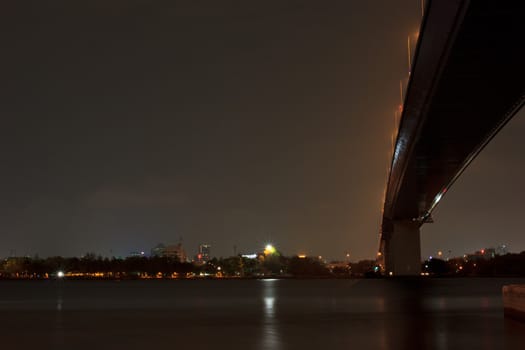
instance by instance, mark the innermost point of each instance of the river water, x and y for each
(257, 314)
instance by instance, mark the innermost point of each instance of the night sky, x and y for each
(233, 123)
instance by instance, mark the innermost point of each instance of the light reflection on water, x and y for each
(270, 331)
(259, 314)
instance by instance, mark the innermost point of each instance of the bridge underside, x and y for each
(467, 81)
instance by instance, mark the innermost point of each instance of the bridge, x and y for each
(467, 81)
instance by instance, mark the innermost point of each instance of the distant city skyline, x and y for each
(203, 253)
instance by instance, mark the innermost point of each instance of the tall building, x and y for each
(204, 253)
(175, 251)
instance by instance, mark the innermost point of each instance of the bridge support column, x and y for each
(402, 249)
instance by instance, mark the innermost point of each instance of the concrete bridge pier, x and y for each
(402, 248)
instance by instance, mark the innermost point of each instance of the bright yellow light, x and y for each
(269, 249)
(301, 256)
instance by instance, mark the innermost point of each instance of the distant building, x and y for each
(501, 250)
(339, 267)
(13, 265)
(136, 254)
(204, 252)
(159, 250)
(489, 253)
(175, 251)
(483, 254)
